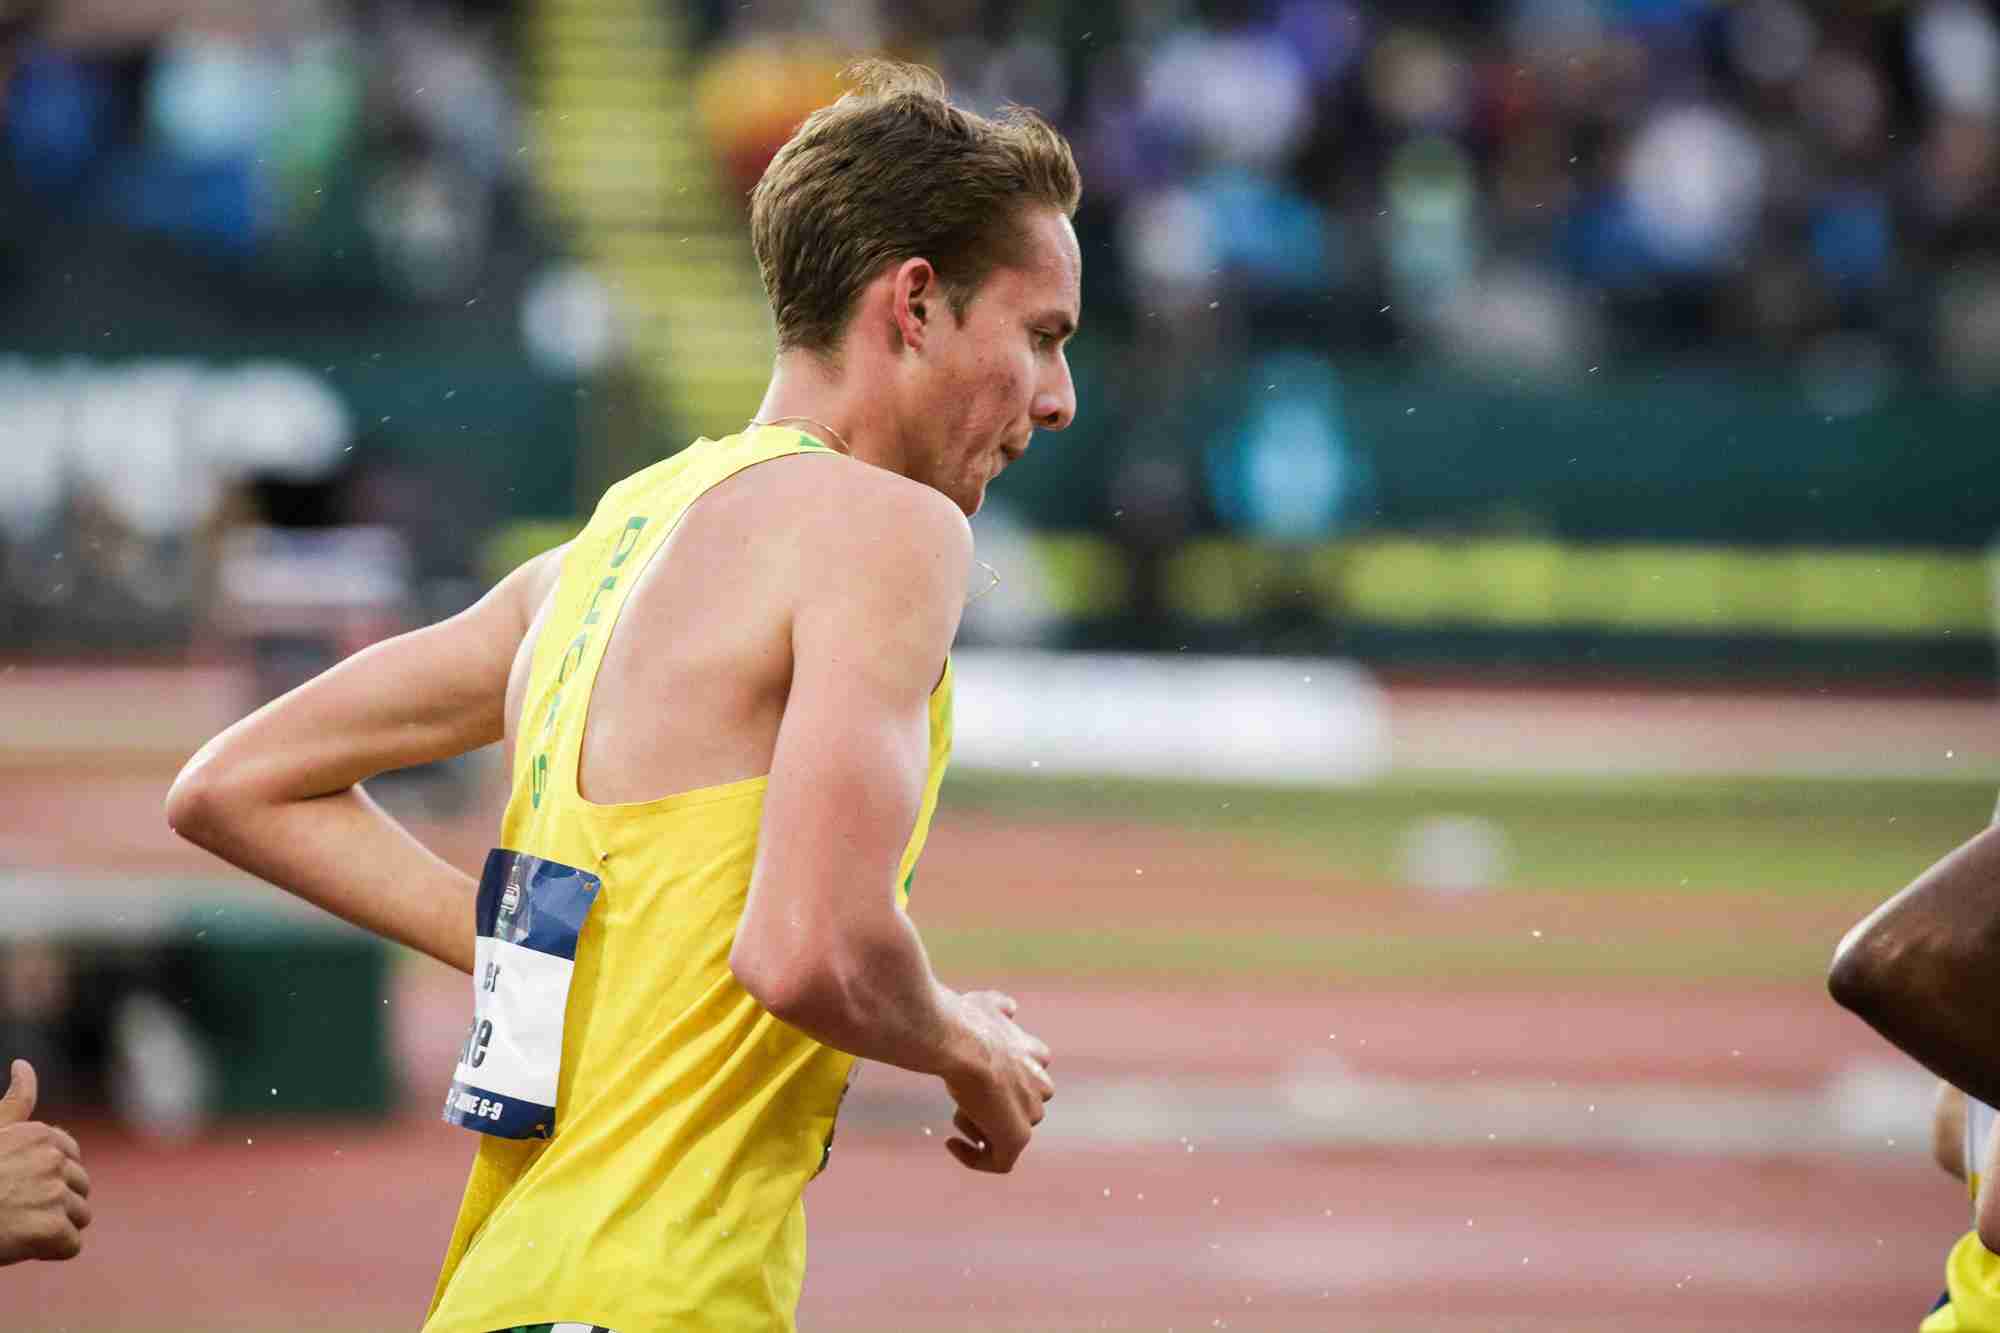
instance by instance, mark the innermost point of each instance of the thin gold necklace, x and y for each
(838, 438)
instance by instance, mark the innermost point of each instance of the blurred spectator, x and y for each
(754, 95)
(1283, 470)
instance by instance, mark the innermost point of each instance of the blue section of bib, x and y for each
(503, 1117)
(535, 903)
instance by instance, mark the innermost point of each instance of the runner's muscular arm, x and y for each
(1919, 968)
(278, 793)
(822, 943)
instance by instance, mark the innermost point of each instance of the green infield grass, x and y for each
(1809, 837)
(1615, 882)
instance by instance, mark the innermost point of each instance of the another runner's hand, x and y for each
(44, 1192)
(1001, 1101)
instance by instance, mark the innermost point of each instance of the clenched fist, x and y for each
(1001, 1098)
(44, 1191)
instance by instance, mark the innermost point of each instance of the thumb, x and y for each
(19, 1103)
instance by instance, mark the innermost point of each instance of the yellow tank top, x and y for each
(1971, 1271)
(661, 1187)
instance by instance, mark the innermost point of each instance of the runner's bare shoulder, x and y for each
(877, 524)
(881, 576)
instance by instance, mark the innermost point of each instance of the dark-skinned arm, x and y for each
(1921, 968)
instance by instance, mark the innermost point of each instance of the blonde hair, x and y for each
(893, 171)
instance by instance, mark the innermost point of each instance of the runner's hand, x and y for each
(1001, 1100)
(44, 1191)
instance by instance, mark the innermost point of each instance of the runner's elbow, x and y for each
(1867, 973)
(776, 981)
(206, 798)
(195, 804)
(807, 990)
(1906, 978)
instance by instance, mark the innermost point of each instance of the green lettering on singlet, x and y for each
(573, 654)
(627, 539)
(609, 582)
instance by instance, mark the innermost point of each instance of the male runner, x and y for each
(1920, 969)
(727, 705)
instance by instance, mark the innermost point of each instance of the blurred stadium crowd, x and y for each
(365, 149)
(1351, 267)
(217, 214)
(1525, 186)
(1531, 191)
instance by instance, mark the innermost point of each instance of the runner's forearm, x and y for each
(345, 854)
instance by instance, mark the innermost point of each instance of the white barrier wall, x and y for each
(1235, 719)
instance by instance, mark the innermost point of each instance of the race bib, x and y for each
(530, 913)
